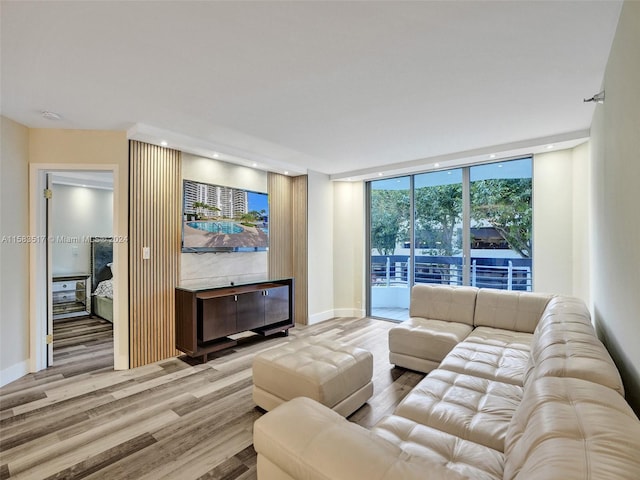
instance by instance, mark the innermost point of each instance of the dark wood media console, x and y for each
(205, 317)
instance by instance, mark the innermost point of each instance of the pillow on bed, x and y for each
(105, 289)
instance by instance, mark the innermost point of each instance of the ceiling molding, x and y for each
(480, 155)
(205, 148)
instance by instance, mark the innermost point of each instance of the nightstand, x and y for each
(71, 295)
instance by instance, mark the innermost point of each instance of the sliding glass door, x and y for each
(465, 226)
(390, 251)
(501, 221)
(438, 228)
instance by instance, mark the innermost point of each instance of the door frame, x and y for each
(40, 304)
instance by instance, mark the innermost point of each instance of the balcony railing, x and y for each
(500, 273)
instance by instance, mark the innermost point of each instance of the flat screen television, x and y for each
(216, 218)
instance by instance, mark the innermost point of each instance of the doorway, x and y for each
(41, 262)
(80, 231)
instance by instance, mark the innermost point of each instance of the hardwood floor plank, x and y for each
(97, 462)
(175, 419)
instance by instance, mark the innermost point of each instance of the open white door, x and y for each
(48, 200)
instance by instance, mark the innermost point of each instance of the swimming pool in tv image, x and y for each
(218, 218)
(217, 227)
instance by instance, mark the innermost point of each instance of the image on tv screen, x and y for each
(223, 219)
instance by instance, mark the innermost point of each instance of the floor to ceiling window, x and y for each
(389, 239)
(465, 226)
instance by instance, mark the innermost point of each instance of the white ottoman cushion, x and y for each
(329, 372)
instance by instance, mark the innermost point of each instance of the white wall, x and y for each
(320, 245)
(615, 169)
(553, 222)
(582, 211)
(348, 248)
(14, 257)
(78, 213)
(207, 269)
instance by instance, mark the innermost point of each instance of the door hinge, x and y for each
(49, 339)
(48, 194)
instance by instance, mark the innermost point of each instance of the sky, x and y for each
(258, 201)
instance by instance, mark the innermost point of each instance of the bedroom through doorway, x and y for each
(80, 237)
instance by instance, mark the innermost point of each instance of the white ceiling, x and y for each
(342, 88)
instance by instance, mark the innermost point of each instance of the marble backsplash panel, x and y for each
(219, 269)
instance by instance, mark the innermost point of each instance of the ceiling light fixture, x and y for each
(215, 155)
(493, 155)
(379, 174)
(164, 143)
(549, 147)
(436, 165)
(286, 172)
(51, 115)
(254, 164)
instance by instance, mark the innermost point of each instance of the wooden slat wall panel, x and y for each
(154, 222)
(280, 192)
(300, 247)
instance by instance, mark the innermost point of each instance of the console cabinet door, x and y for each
(218, 318)
(276, 306)
(250, 310)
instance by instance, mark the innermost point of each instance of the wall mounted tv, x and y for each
(216, 218)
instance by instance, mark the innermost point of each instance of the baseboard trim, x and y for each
(320, 317)
(338, 312)
(349, 312)
(14, 372)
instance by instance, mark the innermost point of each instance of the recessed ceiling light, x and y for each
(51, 115)
(549, 147)
(493, 155)
(436, 165)
(254, 164)
(380, 174)
(286, 172)
(215, 155)
(164, 143)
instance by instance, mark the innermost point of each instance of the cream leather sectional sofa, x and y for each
(519, 388)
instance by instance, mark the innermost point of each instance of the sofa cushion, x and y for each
(559, 351)
(443, 302)
(304, 439)
(492, 362)
(571, 429)
(509, 310)
(564, 309)
(468, 458)
(426, 339)
(469, 407)
(501, 338)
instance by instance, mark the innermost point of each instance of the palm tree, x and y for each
(212, 208)
(198, 206)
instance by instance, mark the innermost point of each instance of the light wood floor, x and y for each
(173, 419)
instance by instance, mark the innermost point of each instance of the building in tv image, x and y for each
(223, 219)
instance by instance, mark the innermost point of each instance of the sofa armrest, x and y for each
(309, 441)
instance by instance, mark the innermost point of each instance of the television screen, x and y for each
(223, 219)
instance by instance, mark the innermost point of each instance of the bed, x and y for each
(102, 277)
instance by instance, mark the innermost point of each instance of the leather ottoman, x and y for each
(332, 373)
